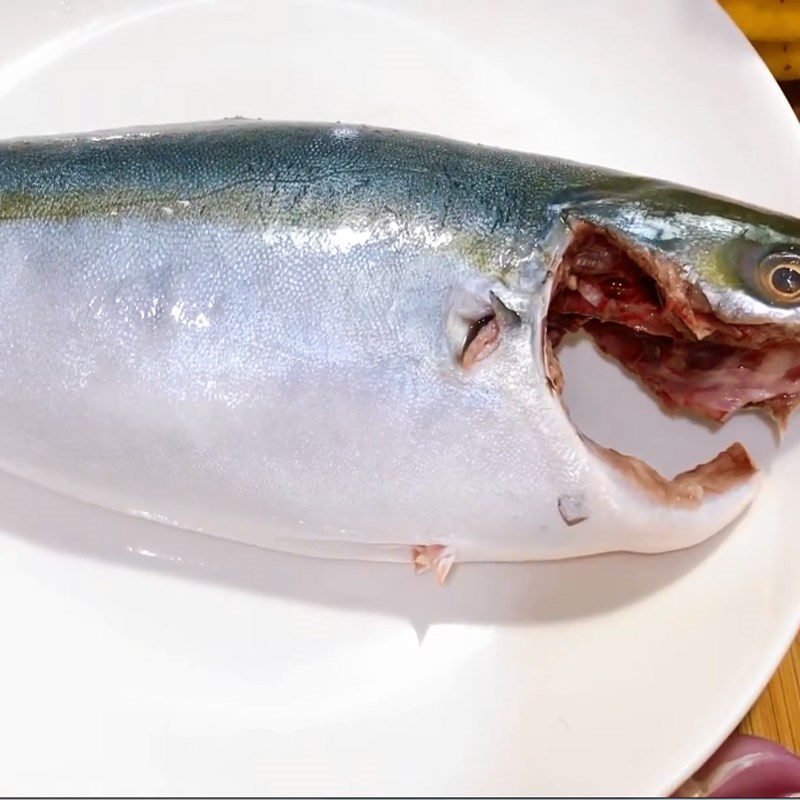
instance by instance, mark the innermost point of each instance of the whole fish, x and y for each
(341, 340)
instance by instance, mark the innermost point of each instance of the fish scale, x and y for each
(254, 330)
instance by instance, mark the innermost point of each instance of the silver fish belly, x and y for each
(259, 332)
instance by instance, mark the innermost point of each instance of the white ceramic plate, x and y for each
(139, 659)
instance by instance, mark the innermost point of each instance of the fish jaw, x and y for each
(641, 511)
(588, 499)
(623, 504)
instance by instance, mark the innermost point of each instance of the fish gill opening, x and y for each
(657, 327)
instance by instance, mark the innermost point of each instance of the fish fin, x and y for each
(433, 557)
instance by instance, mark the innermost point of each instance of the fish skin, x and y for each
(241, 328)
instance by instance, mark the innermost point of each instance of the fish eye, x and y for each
(771, 273)
(779, 276)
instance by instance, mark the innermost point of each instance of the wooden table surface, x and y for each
(776, 714)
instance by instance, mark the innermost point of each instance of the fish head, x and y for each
(744, 261)
(680, 286)
(699, 298)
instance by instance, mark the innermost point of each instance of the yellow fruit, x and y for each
(782, 58)
(766, 20)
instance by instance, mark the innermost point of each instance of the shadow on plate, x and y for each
(509, 594)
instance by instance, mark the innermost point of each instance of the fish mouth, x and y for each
(639, 311)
